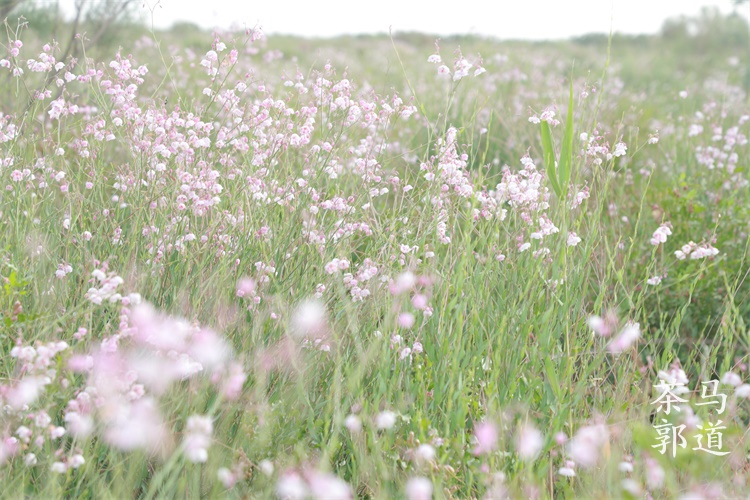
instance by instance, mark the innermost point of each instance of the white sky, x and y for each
(516, 19)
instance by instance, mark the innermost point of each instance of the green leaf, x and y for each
(552, 377)
(565, 165)
(549, 157)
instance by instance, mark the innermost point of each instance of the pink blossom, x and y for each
(561, 438)
(24, 434)
(353, 424)
(586, 446)
(461, 67)
(579, 198)
(309, 320)
(137, 425)
(568, 470)
(731, 378)
(404, 282)
(604, 327)
(529, 443)
(743, 391)
(59, 468)
(695, 251)
(419, 301)
(324, 486)
(485, 434)
(548, 115)
(266, 467)
(419, 488)
(424, 453)
(246, 287)
(660, 235)
(233, 382)
(655, 475)
(76, 461)
(385, 420)
(573, 239)
(198, 438)
(675, 376)
(625, 466)
(26, 391)
(336, 265)
(704, 251)
(291, 486)
(209, 349)
(226, 477)
(79, 425)
(406, 320)
(626, 338)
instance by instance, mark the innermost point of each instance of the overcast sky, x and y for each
(517, 19)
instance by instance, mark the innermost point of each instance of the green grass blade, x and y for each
(549, 157)
(565, 165)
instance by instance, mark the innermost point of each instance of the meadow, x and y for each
(238, 266)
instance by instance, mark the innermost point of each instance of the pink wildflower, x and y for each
(586, 446)
(486, 436)
(309, 320)
(627, 337)
(385, 420)
(573, 239)
(406, 320)
(660, 235)
(198, 438)
(529, 443)
(419, 488)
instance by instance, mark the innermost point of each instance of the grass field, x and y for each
(375, 267)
